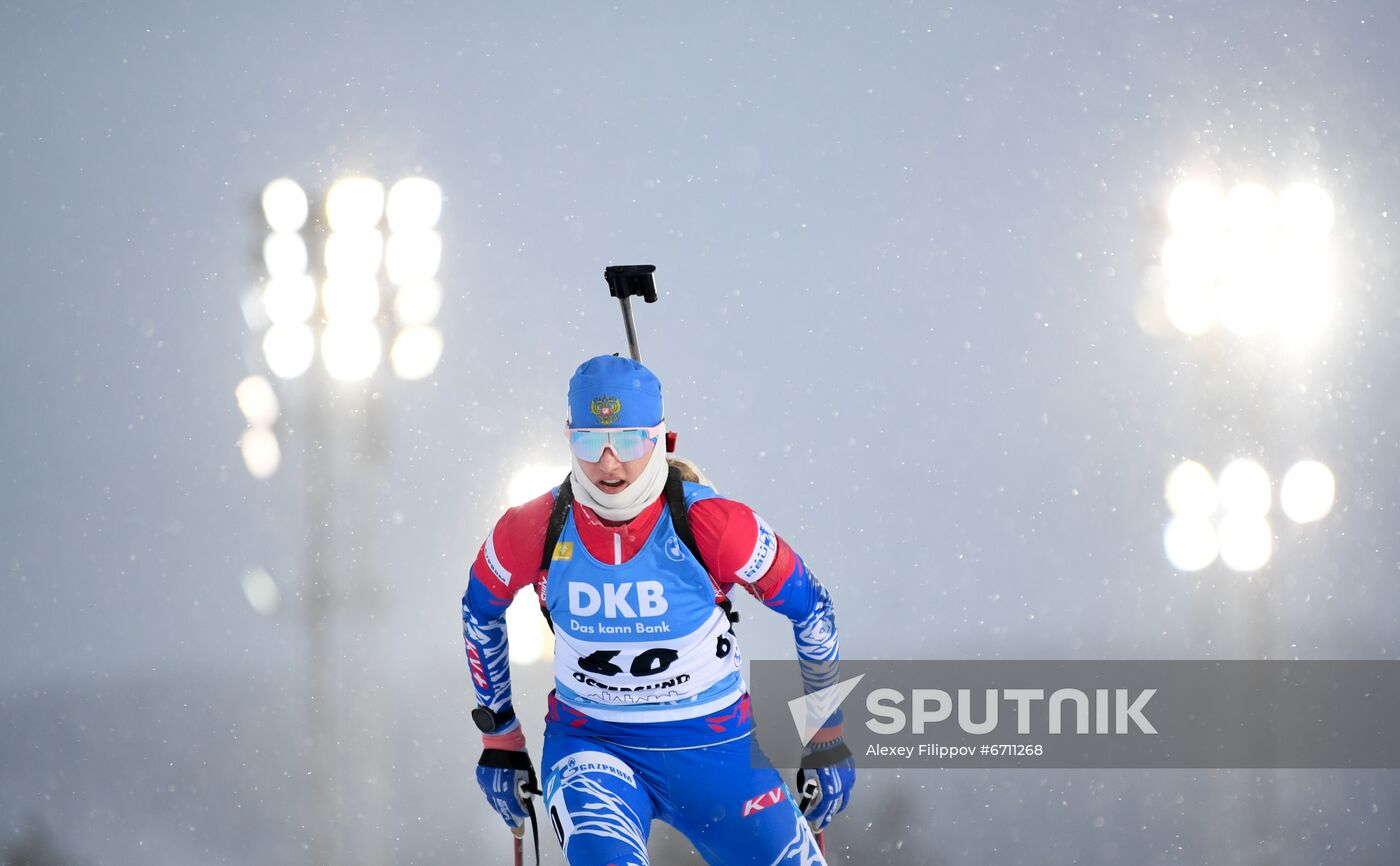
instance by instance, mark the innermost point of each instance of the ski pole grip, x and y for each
(626, 281)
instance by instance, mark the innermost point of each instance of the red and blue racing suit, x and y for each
(649, 718)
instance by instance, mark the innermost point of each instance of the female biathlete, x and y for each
(649, 717)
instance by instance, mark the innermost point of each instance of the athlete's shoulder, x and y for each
(707, 505)
(695, 492)
(736, 543)
(527, 518)
(510, 555)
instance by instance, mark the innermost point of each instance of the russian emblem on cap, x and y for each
(606, 409)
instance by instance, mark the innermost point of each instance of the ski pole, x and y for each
(525, 790)
(811, 790)
(625, 281)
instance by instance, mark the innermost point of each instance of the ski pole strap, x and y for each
(810, 791)
(509, 759)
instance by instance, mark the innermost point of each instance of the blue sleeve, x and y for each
(802, 599)
(488, 648)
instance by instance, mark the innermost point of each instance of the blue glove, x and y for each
(508, 780)
(825, 782)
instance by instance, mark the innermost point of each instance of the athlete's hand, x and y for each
(825, 782)
(508, 779)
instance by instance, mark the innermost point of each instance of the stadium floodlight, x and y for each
(1302, 315)
(1308, 491)
(355, 203)
(335, 308)
(261, 453)
(1247, 280)
(1192, 260)
(261, 591)
(284, 205)
(532, 480)
(418, 303)
(1245, 489)
(355, 252)
(413, 256)
(1190, 308)
(350, 299)
(415, 204)
(284, 255)
(1229, 517)
(1305, 299)
(350, 350)
(1252, 261)
(416, 352)
(257, 401)
(1251, 210)
(1306, 210)
(1246, 541)
(1190, 542)
(1196, 208)
(289, 350)
(289, 300)
(530, 638)
(1191, 491)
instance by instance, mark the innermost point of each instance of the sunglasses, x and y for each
(628, 443)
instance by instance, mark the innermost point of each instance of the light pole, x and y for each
(1247, 272)
(367, 293)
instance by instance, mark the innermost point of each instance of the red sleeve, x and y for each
(737, 545)
(509, 561)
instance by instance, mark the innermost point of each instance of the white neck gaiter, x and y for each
(634, 498)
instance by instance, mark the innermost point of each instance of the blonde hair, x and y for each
(689, 471)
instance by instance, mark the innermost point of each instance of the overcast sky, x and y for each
(902, 253)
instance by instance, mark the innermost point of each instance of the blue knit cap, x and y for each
(608, 391)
